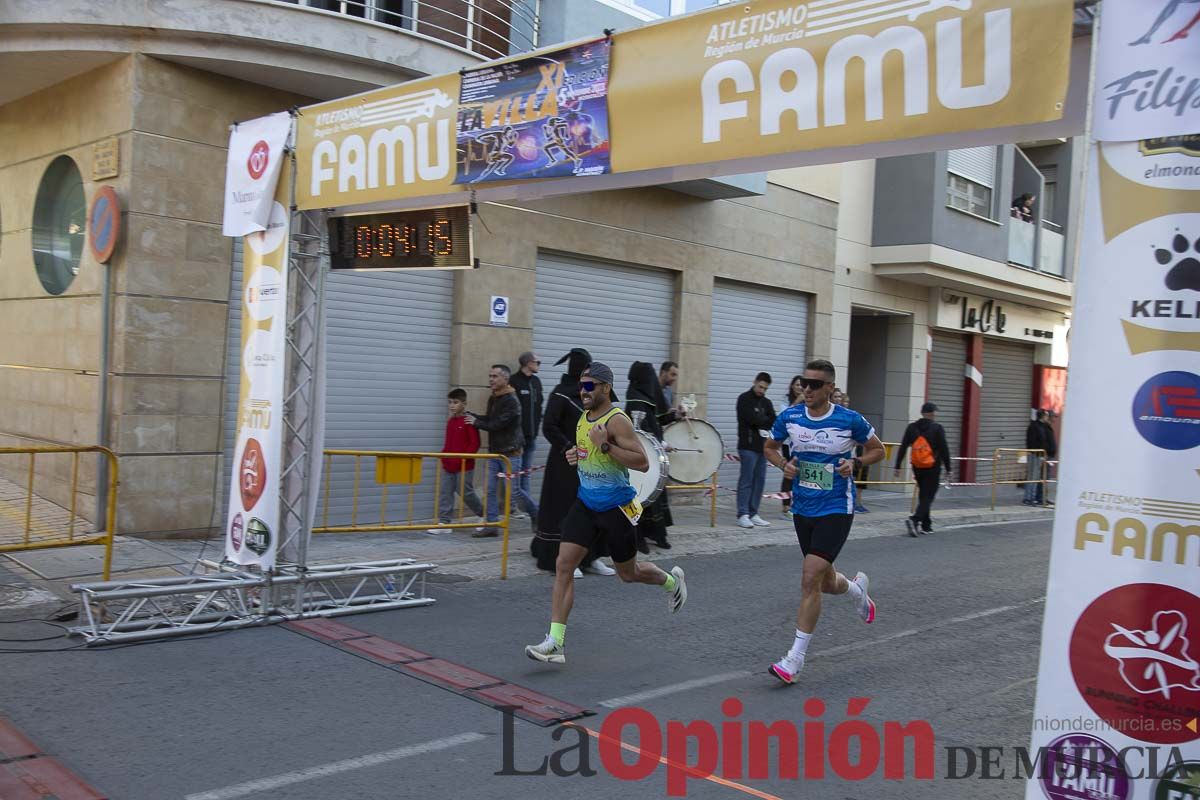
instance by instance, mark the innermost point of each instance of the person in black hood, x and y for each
(560, 484)
(644, 403)
(929, 453)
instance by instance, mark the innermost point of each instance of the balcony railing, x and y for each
(1025, 250)
(489, 28)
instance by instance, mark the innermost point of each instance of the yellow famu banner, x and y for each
(391, 143)
(740, 81)
(754, 79)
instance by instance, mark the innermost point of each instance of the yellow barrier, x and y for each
(1019, 452)
(711, 486)
(883, 466)
(405, 468)
(45, 531)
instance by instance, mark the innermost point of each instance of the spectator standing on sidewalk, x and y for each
(460, 438)
(795, 394)
(755, 416)
(529, 391)
(930, 453)
(862, 474)
(1038, 436)
(503, 424)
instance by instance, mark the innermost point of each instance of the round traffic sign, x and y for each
(104, 224)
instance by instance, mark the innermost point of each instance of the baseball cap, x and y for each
(928, 408)
(602, 373)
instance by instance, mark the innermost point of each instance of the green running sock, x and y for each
(558, 630)
(671, 583)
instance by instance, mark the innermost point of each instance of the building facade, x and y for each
(140, 354)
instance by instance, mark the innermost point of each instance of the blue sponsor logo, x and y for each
(1166, 410)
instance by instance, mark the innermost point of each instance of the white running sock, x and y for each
(799, 645)
(855, 589)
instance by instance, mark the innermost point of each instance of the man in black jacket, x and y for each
(503, 424)
(529, 391)
(928, 457)
(755, 416)
(1038, 436)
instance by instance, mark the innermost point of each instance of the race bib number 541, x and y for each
(811, 475)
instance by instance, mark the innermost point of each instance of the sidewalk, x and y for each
(30, 580)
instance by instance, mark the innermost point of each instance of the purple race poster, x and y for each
(544, 116)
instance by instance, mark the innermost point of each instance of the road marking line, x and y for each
(325, 770)
(698, 683)
(692, 771)
(674, 688)
(989, 524)
(846, 648)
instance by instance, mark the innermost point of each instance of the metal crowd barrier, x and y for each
(710, 488)
(394, 468)
(43, 523)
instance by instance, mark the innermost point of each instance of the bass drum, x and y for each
(649, 484)
(696, 450)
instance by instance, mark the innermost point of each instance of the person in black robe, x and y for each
(646, 405)
(560, 485)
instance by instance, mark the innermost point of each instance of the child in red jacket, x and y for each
(458, 473)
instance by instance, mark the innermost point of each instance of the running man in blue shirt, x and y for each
(822, 438)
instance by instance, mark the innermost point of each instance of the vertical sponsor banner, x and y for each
(1118, 698)
(251, 172)
(1150, 78)
(545, 116)
(252, 529)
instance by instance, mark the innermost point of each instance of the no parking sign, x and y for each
(104, 224)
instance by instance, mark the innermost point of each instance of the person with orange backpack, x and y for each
(927, 440)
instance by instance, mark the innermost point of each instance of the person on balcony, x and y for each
(1022, 207)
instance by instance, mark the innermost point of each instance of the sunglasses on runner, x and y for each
(587, 386)
(812, 383)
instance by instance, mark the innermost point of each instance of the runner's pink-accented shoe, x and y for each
(787, 669)
(865, 605)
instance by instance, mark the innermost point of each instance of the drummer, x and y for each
(606, 448)
(644, 402)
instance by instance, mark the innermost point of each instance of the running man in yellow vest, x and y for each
(606, 448)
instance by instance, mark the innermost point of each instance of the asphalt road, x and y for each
(267, 713)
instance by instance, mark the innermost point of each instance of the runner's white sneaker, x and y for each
(744, 521)
(679, 596)
(759, 521)
(787, 669)
(549, 651)
(864, 604)
(578, 573)
(598, 567)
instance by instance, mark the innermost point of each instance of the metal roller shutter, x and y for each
(976, 164)
(233, 365)
(946, 365)
(740, 350)
(1004, 403)
(388, 366)
(618, 314)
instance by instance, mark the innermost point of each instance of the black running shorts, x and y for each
(823, 536)
(583, 527)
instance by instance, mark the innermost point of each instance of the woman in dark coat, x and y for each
(646, 405)
(560, 485)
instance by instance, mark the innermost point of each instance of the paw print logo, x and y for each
(1185, 272)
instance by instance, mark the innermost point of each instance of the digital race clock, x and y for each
(431, 238)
